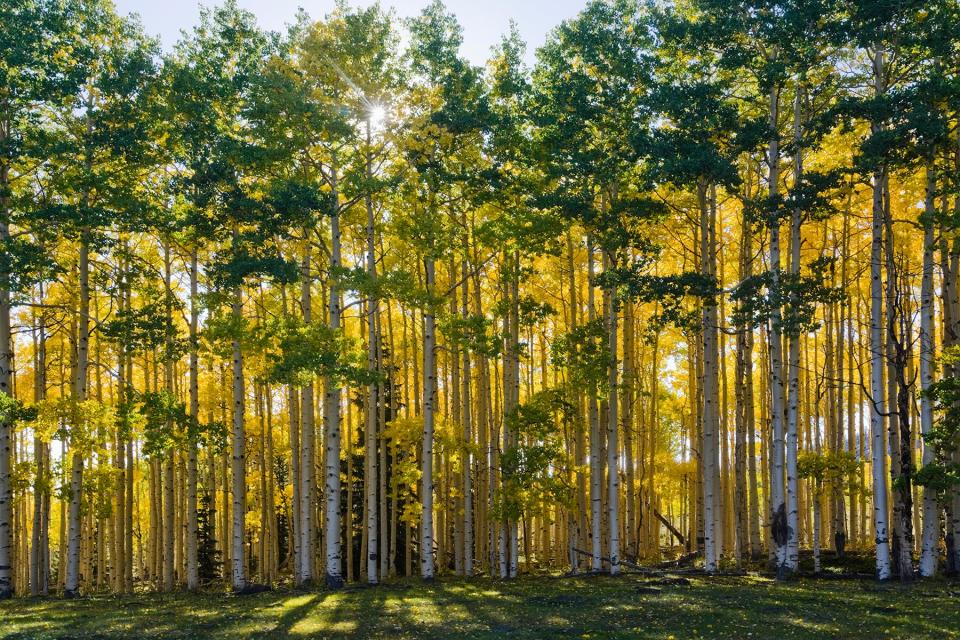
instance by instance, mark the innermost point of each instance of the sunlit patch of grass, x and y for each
(597, 607)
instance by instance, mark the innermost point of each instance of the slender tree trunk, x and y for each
(193, 577)
(373, 389)
(629, 381)
(793, 385)
(877, 404)
(238, 466)
(778, 517)
(613, 449)
(468, 551)
(169, 530)
(40, 543)
(711, 418)
(72, 582)
(331, 410)
(596, 465)
(429, 400)
(6, 427)
(512, 363)
(931, 515)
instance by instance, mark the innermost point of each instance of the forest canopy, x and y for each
(334, 304)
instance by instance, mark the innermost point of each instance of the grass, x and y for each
(629, 606)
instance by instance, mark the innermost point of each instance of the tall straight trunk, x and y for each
(193, 577)
(468, 552)
(847, 377)
(71, 585)
(512, 363)
(740, 507)
(128, 478)
(950, 305)
(456, 417)
(429, 401)
(507, 387)
(238, 465)
(6, 426)
(383, 499)
(169, 529)
(778, 516)
(877, 404)
(332, 436)
(6, 372)
(629, 380)
(121, 460)
(596, 463)
(931, 515)
(613, 449)
(750, 420)
(793, 366)
(40, 543)
(651, 451)
(711, 418)
(373, 398)
(953, 506)
(899, 407)
(579, 519)
(307, 525)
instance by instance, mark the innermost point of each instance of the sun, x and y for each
(377, 114)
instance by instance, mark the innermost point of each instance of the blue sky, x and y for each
(484, 21)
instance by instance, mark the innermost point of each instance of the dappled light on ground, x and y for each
(541, 607)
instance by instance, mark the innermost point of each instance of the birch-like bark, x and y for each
(467, 431)
(793, 372)
(711, 417)
(778, 516)
(331, 411)
(877, 404)
(238, 467)
(6, 427)
(596, 465)
(429, 400)
(71, 587)
(40, 543)
(613, 449)
(373, 389)
(931, 519)
(193, 577)
(307, 526)
(169, 530)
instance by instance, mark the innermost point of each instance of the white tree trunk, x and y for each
(877, 410)
(193, 578)
(238, 462)
(71, 585)
(711, 393)
(512, 393)
(793, 367)
(307, 527)
(931, 515)
(331, 464)
(778, 507)
(6, 428)
(373, 399)
(596, 464)
(429, 398)
(613, 449)
(467, 437)
(40, 543)
(169, 530)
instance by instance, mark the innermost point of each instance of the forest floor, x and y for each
(629, 606)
